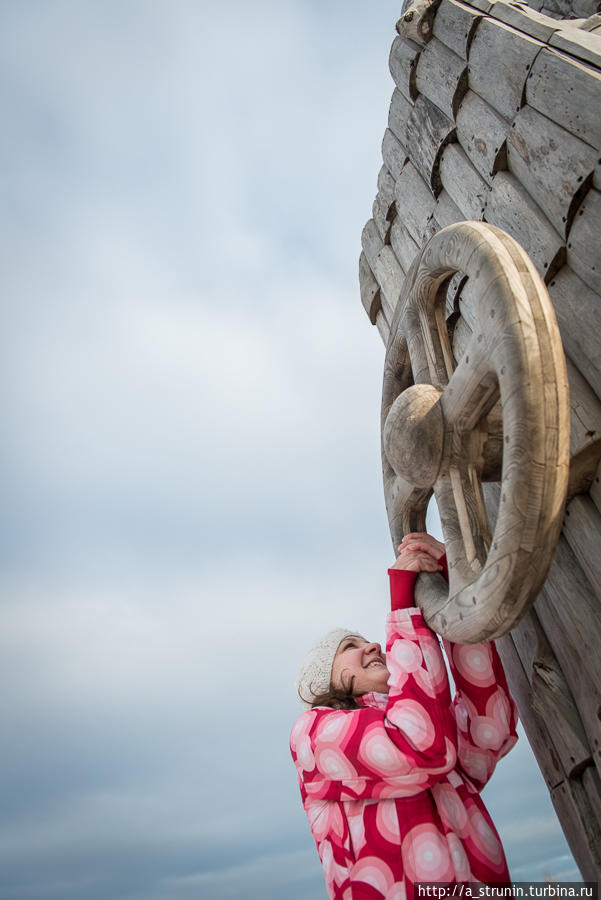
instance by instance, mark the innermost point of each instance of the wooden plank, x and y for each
(591, 23)
(578, 311)
(582, 44)
(510, 207)
(583, 8)
(591, 782)
(582, 528)
(386, 184)
(526, 20)
(428, 130)
(585, 433)
(463, 182)
(383, 327)
(539, 737)
(551, 697)
(400, 109)
(454, 25)
(568, 92)
(416, 202)
(441, 76)
(595, 492)
(461, 336)
(499, 61)
(558, 9)
(370, 290)
(584, 241)
(482, 133)
(574, 632)
(446, 211)
(382, 212)
(390, 277)
(393, 153)
(553, 165)
(402, 63)
(581, 828)
(483, 5)
(371, 242)
(404, 246)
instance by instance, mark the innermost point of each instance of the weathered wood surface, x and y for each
(370, 290)
(441, 76)
(400, 109)
(390, 277)
(446, 211)
(582, 527)
(539, 736)
(417, 20)
(574, 631)
(550, 88)
(554, 166)
(382, 326)
(463, 182)
(499, 62)
(415, 203)
(428, 131)
(405, 247)
(581, 828)
(393, 154)
(402, 63)
(482, 133)
(585, 432)
(551, 697)
(578, 311)
(382, 212)
(584, 241)
(510, 207)
(528, 21)
(455, 24)
(386, 184)
(582, 44)
(371, 243)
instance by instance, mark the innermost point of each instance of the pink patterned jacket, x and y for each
(391, 790)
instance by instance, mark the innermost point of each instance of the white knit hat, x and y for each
(316, 671)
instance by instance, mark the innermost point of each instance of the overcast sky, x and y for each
(190, 467)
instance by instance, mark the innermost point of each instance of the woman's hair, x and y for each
(335, 698)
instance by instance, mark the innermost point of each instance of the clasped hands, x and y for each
(419, 552)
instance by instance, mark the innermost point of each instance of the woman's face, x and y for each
(363, 662)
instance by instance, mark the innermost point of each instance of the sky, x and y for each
(190, 468)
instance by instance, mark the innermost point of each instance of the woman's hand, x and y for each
(422, 541)
(419, 552)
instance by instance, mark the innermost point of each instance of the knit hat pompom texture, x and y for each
(316, 671)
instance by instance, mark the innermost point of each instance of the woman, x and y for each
(390, 770)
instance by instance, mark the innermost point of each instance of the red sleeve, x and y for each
(485, 712)
(402, 582)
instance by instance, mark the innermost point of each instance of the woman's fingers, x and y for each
(416, 540)
(416, 560)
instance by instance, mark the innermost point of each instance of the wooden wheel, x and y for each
(442, 431)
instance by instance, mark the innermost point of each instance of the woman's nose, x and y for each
(374, 646)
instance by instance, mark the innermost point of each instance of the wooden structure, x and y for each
(496, 118)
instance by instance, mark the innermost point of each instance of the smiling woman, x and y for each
(391, 770)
